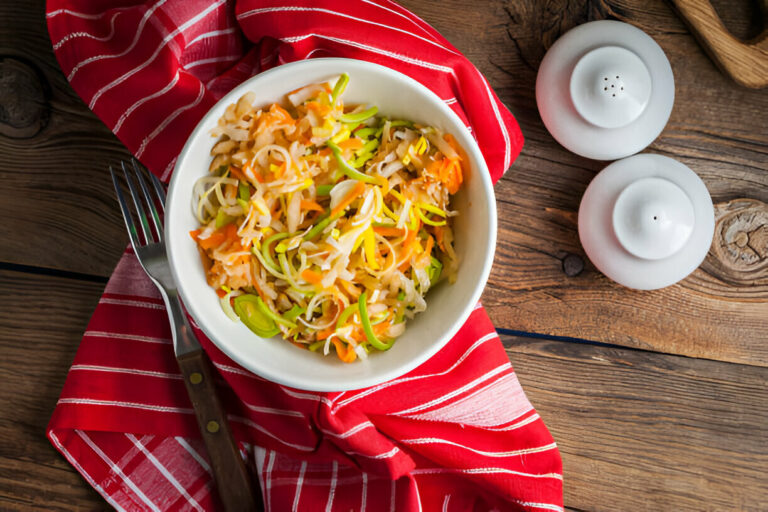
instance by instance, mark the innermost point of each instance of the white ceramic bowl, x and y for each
(448, 306)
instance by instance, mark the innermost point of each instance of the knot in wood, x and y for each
(24, 109)
(739, 250)
(573, 264)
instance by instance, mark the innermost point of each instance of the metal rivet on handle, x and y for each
(212, 427)
(196, 378)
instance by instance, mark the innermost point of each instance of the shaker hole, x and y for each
(612, 86)
(605, 88)
(655, 217)
(614, 95)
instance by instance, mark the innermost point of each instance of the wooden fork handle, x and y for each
(236, 490)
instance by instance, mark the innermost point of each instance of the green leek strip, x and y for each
(324, 219)
(324, 190)
(288, 272)
(274, 316)
(344, 316)
(348, 170)
(267, 253)
(372, 339)
(222, 219)
(400, 122)
(244, 205)
(247, 308)
(316, 345)
(369, 146)
(434, 270)
(338, 89)
(429, 221)
(227, 307)
(293, 313)
(364, 133)
(360, 161)
(244, 191)
(389, 224)
(360, 116)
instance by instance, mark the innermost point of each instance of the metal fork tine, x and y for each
(150, 202)
(139, 207)
(132, 234)
(159, 189)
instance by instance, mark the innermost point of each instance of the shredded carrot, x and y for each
(384, 231)
(216, 239)
(221, 293)
(353, 194)
(321, 335)
(439, 236)
(311, 276)
(347, 355)
(237, 173)
(429, 246)
(194, 234)
(351, 143)
(311, 205)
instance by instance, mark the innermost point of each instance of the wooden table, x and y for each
(669, 411)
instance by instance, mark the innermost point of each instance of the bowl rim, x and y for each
(481, 171)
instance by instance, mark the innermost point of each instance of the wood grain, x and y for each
(55, 153)
(646, 432)
(745, 62)
(42, 320)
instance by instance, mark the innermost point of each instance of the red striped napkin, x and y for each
(457, 433)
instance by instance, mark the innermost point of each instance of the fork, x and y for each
(232, 480)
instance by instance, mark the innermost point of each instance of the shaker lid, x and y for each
(605, 90)
(646, 221)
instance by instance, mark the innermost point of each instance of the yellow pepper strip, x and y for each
(343, 134)
(421, 146)
(370, 249)
(397, 195)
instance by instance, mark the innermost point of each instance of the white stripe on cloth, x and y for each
(545, 506)
(129, 405)
(168, 120)
(306, 396)
(88, 35)
(164, 471)
(515, 426)
(265, 10)
(466, 387)
(179, 30)
(499, 121)
(76, 14)
(512, 453)
(72, 460)
(130, 371)
(168, 169)
(373, 49)
(445, 502)
(476, 344)
(364, 492)
(299, 482)
(379, 456)
(211, 60)
(117, 470)
(268, 480)
(131, 303)
(483, 471)
(129, 337)
(496, 403)
(271, 410)
(194, 453)
(253, 425)
(143, 100)
(350, 432)
(413, 22)
(136, 38)
(213, 33)
(332, 489)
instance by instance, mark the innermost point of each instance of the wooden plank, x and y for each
(54, 154)
(643, 431)
(716, 128)
(43, 319)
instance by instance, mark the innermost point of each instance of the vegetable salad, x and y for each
(326, 223)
